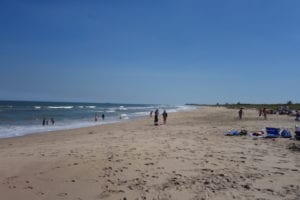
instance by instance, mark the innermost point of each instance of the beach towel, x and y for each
(272, 132)
(232, 133)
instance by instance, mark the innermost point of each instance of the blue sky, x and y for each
(154, 51)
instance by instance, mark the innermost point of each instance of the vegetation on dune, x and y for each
(290, 104)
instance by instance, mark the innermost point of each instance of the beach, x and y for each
(188, 158)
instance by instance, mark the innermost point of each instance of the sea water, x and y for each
(19, 118)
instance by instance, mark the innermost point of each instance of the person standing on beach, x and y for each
(165, 115)
(151, 113)
(156, 113)
(297, 115)
(44, 121)
(241, 113)
(103, 116)
(52, 121)
(265, 113)
(96, 117)
(260, 112)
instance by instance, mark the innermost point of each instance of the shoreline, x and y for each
(96, 124)
(188, 158)
(70, 116)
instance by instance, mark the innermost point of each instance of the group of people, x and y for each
(156, 114)
(45, 121)
(262, 112)
(97, 117)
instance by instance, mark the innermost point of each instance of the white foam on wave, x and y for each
(60, 107)
(37, 107)
(20, 130)
(124, 116)
(90, 106)
(140, 114)
(122, 108)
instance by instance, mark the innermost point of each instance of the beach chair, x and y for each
(272, 132)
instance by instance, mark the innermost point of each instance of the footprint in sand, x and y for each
(63, 194)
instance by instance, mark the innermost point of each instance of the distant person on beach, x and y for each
(151, 113)
(165, 115)
(241, 113)
(265, 113)
(44, 121)
(156, 113)
(52, 121)
(103, 116)
(260, 112)
(96, 117)
(297, 115)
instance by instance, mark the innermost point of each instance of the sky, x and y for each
(150, 51)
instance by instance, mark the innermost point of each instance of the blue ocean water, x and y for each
(19, 118)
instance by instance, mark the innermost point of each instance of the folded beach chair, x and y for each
(272, 132)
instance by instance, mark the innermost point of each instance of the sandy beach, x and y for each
(189, 158)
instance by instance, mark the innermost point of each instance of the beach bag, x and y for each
(286, 134)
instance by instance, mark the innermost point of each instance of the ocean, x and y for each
(19, 118)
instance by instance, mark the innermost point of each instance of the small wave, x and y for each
(37, 107)
(60, 107)
(140, 113)
(122, 108)
(141, 108)
(90, 106)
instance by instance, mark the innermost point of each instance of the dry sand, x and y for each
(189, 158)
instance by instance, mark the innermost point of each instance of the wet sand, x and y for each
(189, 158)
